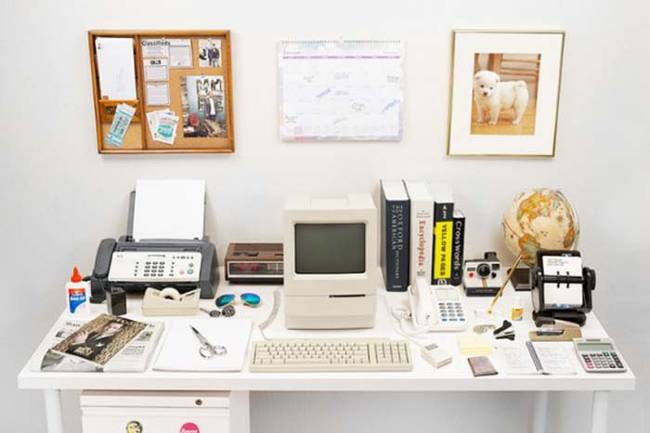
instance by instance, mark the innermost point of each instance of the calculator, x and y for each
(599, 355)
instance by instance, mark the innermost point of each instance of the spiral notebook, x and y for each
(548, 358)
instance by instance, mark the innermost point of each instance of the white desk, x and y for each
(454, 377)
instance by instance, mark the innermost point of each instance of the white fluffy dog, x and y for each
(492, 96)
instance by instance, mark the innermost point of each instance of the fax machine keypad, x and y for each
(159, 266)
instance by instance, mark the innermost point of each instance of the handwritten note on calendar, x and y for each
(341, 90)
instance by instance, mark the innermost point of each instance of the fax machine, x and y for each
(185, 264)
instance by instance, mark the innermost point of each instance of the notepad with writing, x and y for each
(180, 350)
(551, 357)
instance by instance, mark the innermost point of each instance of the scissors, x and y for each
(208, 350)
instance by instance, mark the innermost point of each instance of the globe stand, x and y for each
(505, 283)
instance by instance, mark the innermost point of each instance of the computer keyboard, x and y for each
(340, 354)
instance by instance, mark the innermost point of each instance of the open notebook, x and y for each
(536, 358)
(180, 347)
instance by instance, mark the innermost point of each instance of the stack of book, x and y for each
(422, 234)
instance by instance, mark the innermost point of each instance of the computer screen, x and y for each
(337, 248)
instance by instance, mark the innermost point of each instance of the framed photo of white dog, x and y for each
(505, 90)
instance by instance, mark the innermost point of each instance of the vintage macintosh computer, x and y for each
(330, 253)
(330, 282)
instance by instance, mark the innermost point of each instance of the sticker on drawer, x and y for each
(133, 427)
(189, 427)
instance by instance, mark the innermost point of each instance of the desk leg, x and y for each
(53, 410)
(240, 413)
(599, 410)
(540, 408)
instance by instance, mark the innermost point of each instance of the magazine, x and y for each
(106, 343)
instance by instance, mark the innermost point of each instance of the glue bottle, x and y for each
(77, 295)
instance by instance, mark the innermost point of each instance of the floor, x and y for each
(504, 126)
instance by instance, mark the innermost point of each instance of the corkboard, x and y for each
(200, 95)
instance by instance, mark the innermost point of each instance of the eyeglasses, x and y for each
(248, 299)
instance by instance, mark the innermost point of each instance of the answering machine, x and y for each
(185, 264)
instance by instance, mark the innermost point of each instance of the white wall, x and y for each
(59, 197)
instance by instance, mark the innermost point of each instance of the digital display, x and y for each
(338, 248)
(255, 268)
(595, 347)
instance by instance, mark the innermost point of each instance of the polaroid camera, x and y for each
(483, 277)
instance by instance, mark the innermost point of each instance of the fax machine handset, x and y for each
(101, 270)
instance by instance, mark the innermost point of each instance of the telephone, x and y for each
(435, 308)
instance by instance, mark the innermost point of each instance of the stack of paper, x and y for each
(169, 209)
(162, 125)
(116, 68)
(180, 350)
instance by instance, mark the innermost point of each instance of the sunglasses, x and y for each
(248, 299)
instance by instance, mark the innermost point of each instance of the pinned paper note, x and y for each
(121, 121)
(116, 68)
(162, 125)
(155, 69)
(157, 93)
(180, 53)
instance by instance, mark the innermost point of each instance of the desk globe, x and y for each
(539, 218)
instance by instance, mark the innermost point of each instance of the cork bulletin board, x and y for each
(171, 91)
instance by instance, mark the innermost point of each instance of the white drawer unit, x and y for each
(155, 412)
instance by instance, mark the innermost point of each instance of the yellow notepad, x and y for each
(474, 345)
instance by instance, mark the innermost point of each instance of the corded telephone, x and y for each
(433, 308)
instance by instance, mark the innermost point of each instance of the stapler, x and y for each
(504, 332)
(549, 329)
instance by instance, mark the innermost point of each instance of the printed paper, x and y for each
(155, 70)
(155, 48)
(162, 125)
(116, 68)
(180, 53)
(121, 121)
(157, 94)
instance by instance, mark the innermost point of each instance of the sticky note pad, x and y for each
(474, 345)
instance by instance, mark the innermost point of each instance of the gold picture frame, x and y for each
(540, 49)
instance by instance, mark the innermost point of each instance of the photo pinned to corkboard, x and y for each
(204, 113)
(210, 53)
(182, 97)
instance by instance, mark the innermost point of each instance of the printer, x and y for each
(182, 257)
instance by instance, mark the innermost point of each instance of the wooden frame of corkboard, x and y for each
(138, 138)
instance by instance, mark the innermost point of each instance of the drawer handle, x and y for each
(198, 402)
